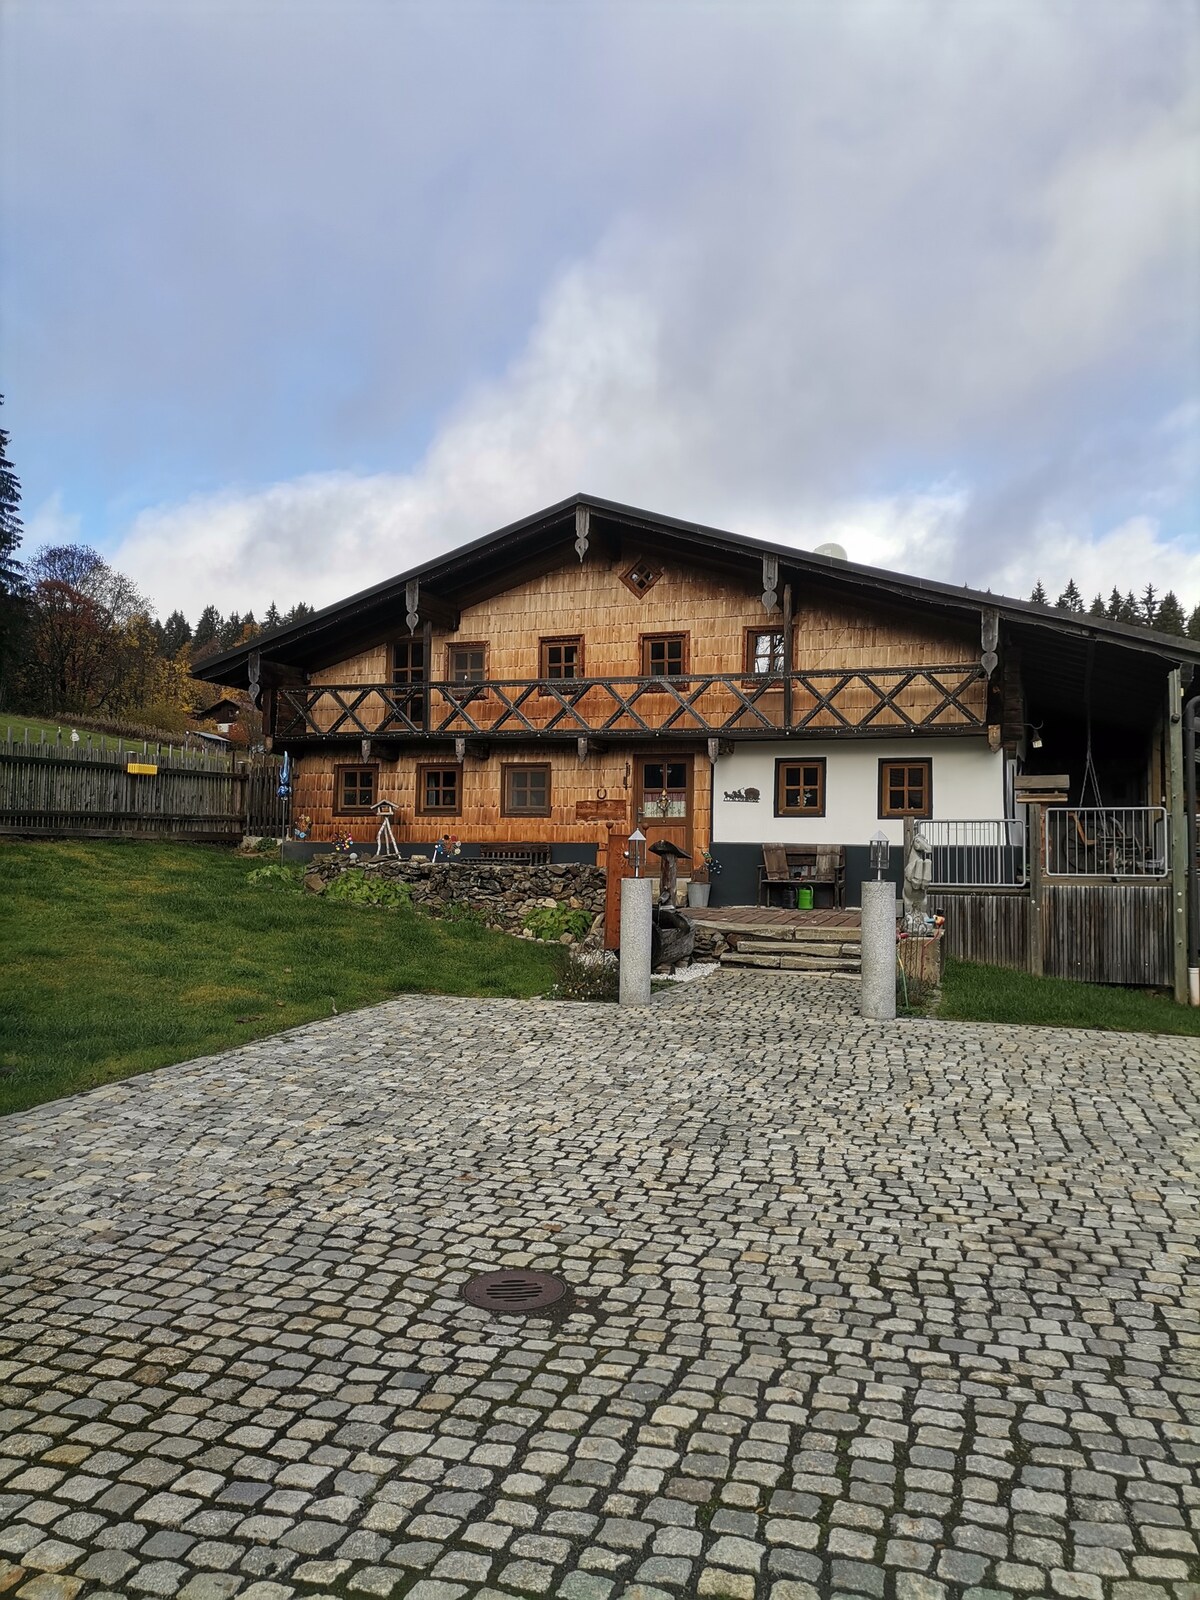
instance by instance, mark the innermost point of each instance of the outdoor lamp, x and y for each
(1035, 729)
(881, 848)
(634, 854)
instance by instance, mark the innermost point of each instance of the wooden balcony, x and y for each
(828, 703)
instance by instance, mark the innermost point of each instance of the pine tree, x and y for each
(1038, 597)
(176, 633)
(1097, 607)
(1131, 612)
(1070, 599)
(298, 612)
(1193, 626)
(271, 618)
(208, 629)
(231, 632)
(1169, 617)
(1148, 606)
(1115, 605)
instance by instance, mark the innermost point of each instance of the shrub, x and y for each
(551, 922)
(357, 889)
(463, 915)
(588, 980)
(276, 875)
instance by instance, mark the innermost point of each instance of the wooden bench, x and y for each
(788, 867)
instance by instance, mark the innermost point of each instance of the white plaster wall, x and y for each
(968, 786)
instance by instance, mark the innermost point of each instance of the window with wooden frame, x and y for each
(800, 788)
(466, 663)
(766, 654)
(664, 655)
(408, 661)
(560, 658)
(439, 790)
(525, 790)
(354, 790)
(906, 788)
(641, 577)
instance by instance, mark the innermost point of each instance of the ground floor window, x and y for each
(525, 790)
(439, 791)
(353, 789)
(906, 788)
(800, 788)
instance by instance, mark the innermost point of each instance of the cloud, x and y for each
(916, 277)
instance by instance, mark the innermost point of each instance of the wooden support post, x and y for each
(1178, 833)
(1034, 847)
(788, 665)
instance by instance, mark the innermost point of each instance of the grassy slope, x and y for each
(121, 957)
(973, 993)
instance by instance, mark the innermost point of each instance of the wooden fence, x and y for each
(122, 789)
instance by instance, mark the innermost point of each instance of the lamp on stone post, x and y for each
(878, 1000)
(637, 918)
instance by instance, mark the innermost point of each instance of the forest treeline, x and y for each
(1163, 613)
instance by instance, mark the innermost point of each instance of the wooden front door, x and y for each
(663, 802)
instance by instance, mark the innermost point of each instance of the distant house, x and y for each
(594, 668)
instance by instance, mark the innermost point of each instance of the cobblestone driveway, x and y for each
(859, 1311)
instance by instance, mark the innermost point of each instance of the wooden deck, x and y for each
(766, 919)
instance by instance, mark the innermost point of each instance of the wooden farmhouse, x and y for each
(595, 668)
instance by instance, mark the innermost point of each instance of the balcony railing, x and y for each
(969, 855)
(1106, 842)
(831, 701)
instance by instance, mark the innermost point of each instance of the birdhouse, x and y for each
(384, 808)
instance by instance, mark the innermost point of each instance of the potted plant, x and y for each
(700, 884)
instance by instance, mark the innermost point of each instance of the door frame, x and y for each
(685, 825)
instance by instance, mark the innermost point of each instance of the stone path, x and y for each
(884, 1312)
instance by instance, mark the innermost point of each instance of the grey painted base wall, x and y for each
(737, 882)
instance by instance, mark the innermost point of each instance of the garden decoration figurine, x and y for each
(303, 826)
(385, 839)
(918, 873)
(669, 855)
(447, 847)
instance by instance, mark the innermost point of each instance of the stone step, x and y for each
(777, 947)
(837, 967)
(736, 928)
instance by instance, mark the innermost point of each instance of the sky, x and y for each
(296, 293)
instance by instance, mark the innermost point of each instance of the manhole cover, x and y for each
(514, 1291)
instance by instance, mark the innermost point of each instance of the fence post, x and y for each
(1177, 831)
(1035, 835)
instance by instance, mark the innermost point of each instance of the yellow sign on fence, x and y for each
(142, 769)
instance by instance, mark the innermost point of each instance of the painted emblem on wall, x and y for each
(742, 794)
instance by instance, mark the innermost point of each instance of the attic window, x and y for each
(641, 576)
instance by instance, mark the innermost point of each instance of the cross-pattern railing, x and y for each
(1106, 842)
(831, 701)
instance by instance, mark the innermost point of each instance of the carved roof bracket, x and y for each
(770, 579)
(412, 603)
(583, 520)
(989, 638)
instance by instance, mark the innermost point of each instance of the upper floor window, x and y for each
(641, 576)
(354, 789)
(408, 661)
(765, 653)
(664, 655)
(561, 658)
(466, 663)
(906, 788)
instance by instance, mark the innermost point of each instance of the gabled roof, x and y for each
(536, 543)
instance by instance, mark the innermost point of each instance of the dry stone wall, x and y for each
(501, 893)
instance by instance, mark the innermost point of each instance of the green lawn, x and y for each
(42, 730)
(973, 993)
(121, 957)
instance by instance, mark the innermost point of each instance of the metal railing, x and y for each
(976, 855)
(1106, 842)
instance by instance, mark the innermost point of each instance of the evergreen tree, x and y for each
(1193, 626)
(272, 619)
(1115, 605)
(208, 629)
(1148, 606)
(176, 633)
(1070, 599)
(1097, 607)
(13, 586)
(231, 631)
(1131, 612)
(1170, 618)
(1038, 597)
(298, 612)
